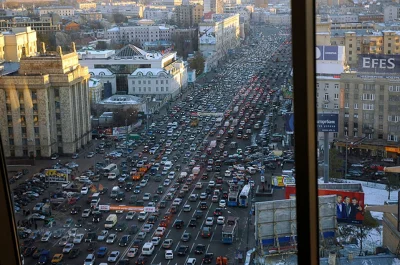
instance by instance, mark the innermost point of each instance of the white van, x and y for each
(95, 200)
(148, 249)
(251, 170)
(142, 216)
(111, 176)
(114, 192)
(111, 221)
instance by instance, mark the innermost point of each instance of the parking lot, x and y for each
(211, 142)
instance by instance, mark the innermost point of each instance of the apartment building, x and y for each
(158, 15)
(139, 34)
(46, 105)
(215, 6)
(217, 36)
(344, 18)
(261, 3)
(369, 105)
(62, 11)
(187, 16)
(125, 8)
(87, 5)
(44, 25)
(90, 16)
(391, 12)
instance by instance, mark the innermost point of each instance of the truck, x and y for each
(235, 122)
(196, 170)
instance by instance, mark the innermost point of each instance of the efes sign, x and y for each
(328, 53)
(378, 63)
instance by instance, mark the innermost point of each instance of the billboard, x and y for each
(207, 35)
(56, 175)
(289, 123)
(328, 53)
(349, 200)
(379, 63)
(327, 122)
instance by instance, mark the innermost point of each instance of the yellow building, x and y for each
(13, 41)
(87, 6)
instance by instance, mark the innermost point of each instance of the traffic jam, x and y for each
(176, 192)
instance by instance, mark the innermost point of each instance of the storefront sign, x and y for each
(329, 53)
(392, 149)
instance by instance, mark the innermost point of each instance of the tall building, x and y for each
(12, 42)
(215, 6)
(187, 16)
(217, 36)
(45, 105)
(261, 3)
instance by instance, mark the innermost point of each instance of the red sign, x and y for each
(349, 205)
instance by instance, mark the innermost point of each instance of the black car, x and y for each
(203, 205)
(75, 209)
(97, 216)
(200, 249)
(179, 224)
(217, 212)
(182, 250)
(90, 227)
(120, 227)
(133, 229)
(198, 214)
(129, 186)
(141, 260)
(193, 222)
(74, 253)
(124, 262)
(124, 240)
(152, 219)
(208, 258)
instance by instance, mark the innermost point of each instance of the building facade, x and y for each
(139, 34)
(13, 42)
(218, 36)
(158, 15)
(46, 105)
(107, 78)
(62, 11)
(261, 3)
(95, 91)
(44, 25)
(188, 16)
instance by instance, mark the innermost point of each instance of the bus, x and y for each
(229, 232)
(233, 198)
(111, 168)
(244, 196)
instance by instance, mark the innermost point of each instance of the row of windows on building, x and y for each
(140, 82)
(148, 89)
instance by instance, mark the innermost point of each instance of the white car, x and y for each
(73, 232)
(78, 238)
(84, 190)
(199, 185)
(187, 208)
(46, 236)
(167, 182)
(222, 203)
(221, 220)
(177, 202)
(103, 234)
(211, 183)
(130, 215)
(114, 255)
(90, 155)
(210, 221)
(111, 238)
(143, 183)
(68, 247)
(156, 240)
(86, 213)
(147, 228)
(132, 252)
(171, 175)
(169, 254)
(160, 231)
(146, 196)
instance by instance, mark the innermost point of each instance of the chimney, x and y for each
(73, 47)
(332, 258)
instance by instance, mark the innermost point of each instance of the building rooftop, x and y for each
(9, 68)
(148, 71)
(130, 51)
(122, 100)
(100, 71)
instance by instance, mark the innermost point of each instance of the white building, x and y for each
(158, 83)
(62, 11)
(217, 36)
(95, 91)
(159, 15)
(90, 53)
(391, 12)
(330, 66)
(126, 9)
(124, 102)
(278, 19)
(344, 18)
(139, 34)
(107, 78)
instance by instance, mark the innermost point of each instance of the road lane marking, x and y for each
(176, 248)
(191, 249)
(198, 233)
(153, 259)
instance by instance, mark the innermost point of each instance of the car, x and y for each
(74, 253)
(92, 246)
(120, 227)
(177, 202)
(54, 157)
(167, 243)
(46, 236)
(141, 260)
(171, 175)
(160, 231)
(208, 258)
(113, 257)
(84, 190)
(203, 196)
(200, 249)
(185, 236)
(124, 241)
(179, 224)
(89, 260)
(102, 252)
(221, 220)
(130, 215)
(222, 203)
(57, 258)
(187, 208)
(198, 214)
(199, 185)
(203, 206)
(191, 261)
(146, 196)
(182, 250)
(169, 254)
(147, 228)
(206, 232)
(209, 221)
(78, 238)
(193, 197)
(75, 156)
(156, 240)
(217, 212)
(86, 213)
(167, 182)
(63, 241)
(68, 247)
(143, 183)
(141, 235)
(111, 239)
(132, 252)
(215, 198)
(102, 236)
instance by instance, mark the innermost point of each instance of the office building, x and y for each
(215, 6)
(62, 11)
(44, 25)
(187, 16)
(217, 36)
(139, 34)
(157, 15)
(46, 103)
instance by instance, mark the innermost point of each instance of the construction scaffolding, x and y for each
(276, 228)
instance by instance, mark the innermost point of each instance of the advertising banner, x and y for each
(289, 123)
(328, 53)
(379, 63)
(327, 122)
(56, 175)
(349, 204)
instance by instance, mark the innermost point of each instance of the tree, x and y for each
(393, 182)
(335, 164)
(101, 45)
(118, 18)
(125, 117)
(197, 63)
